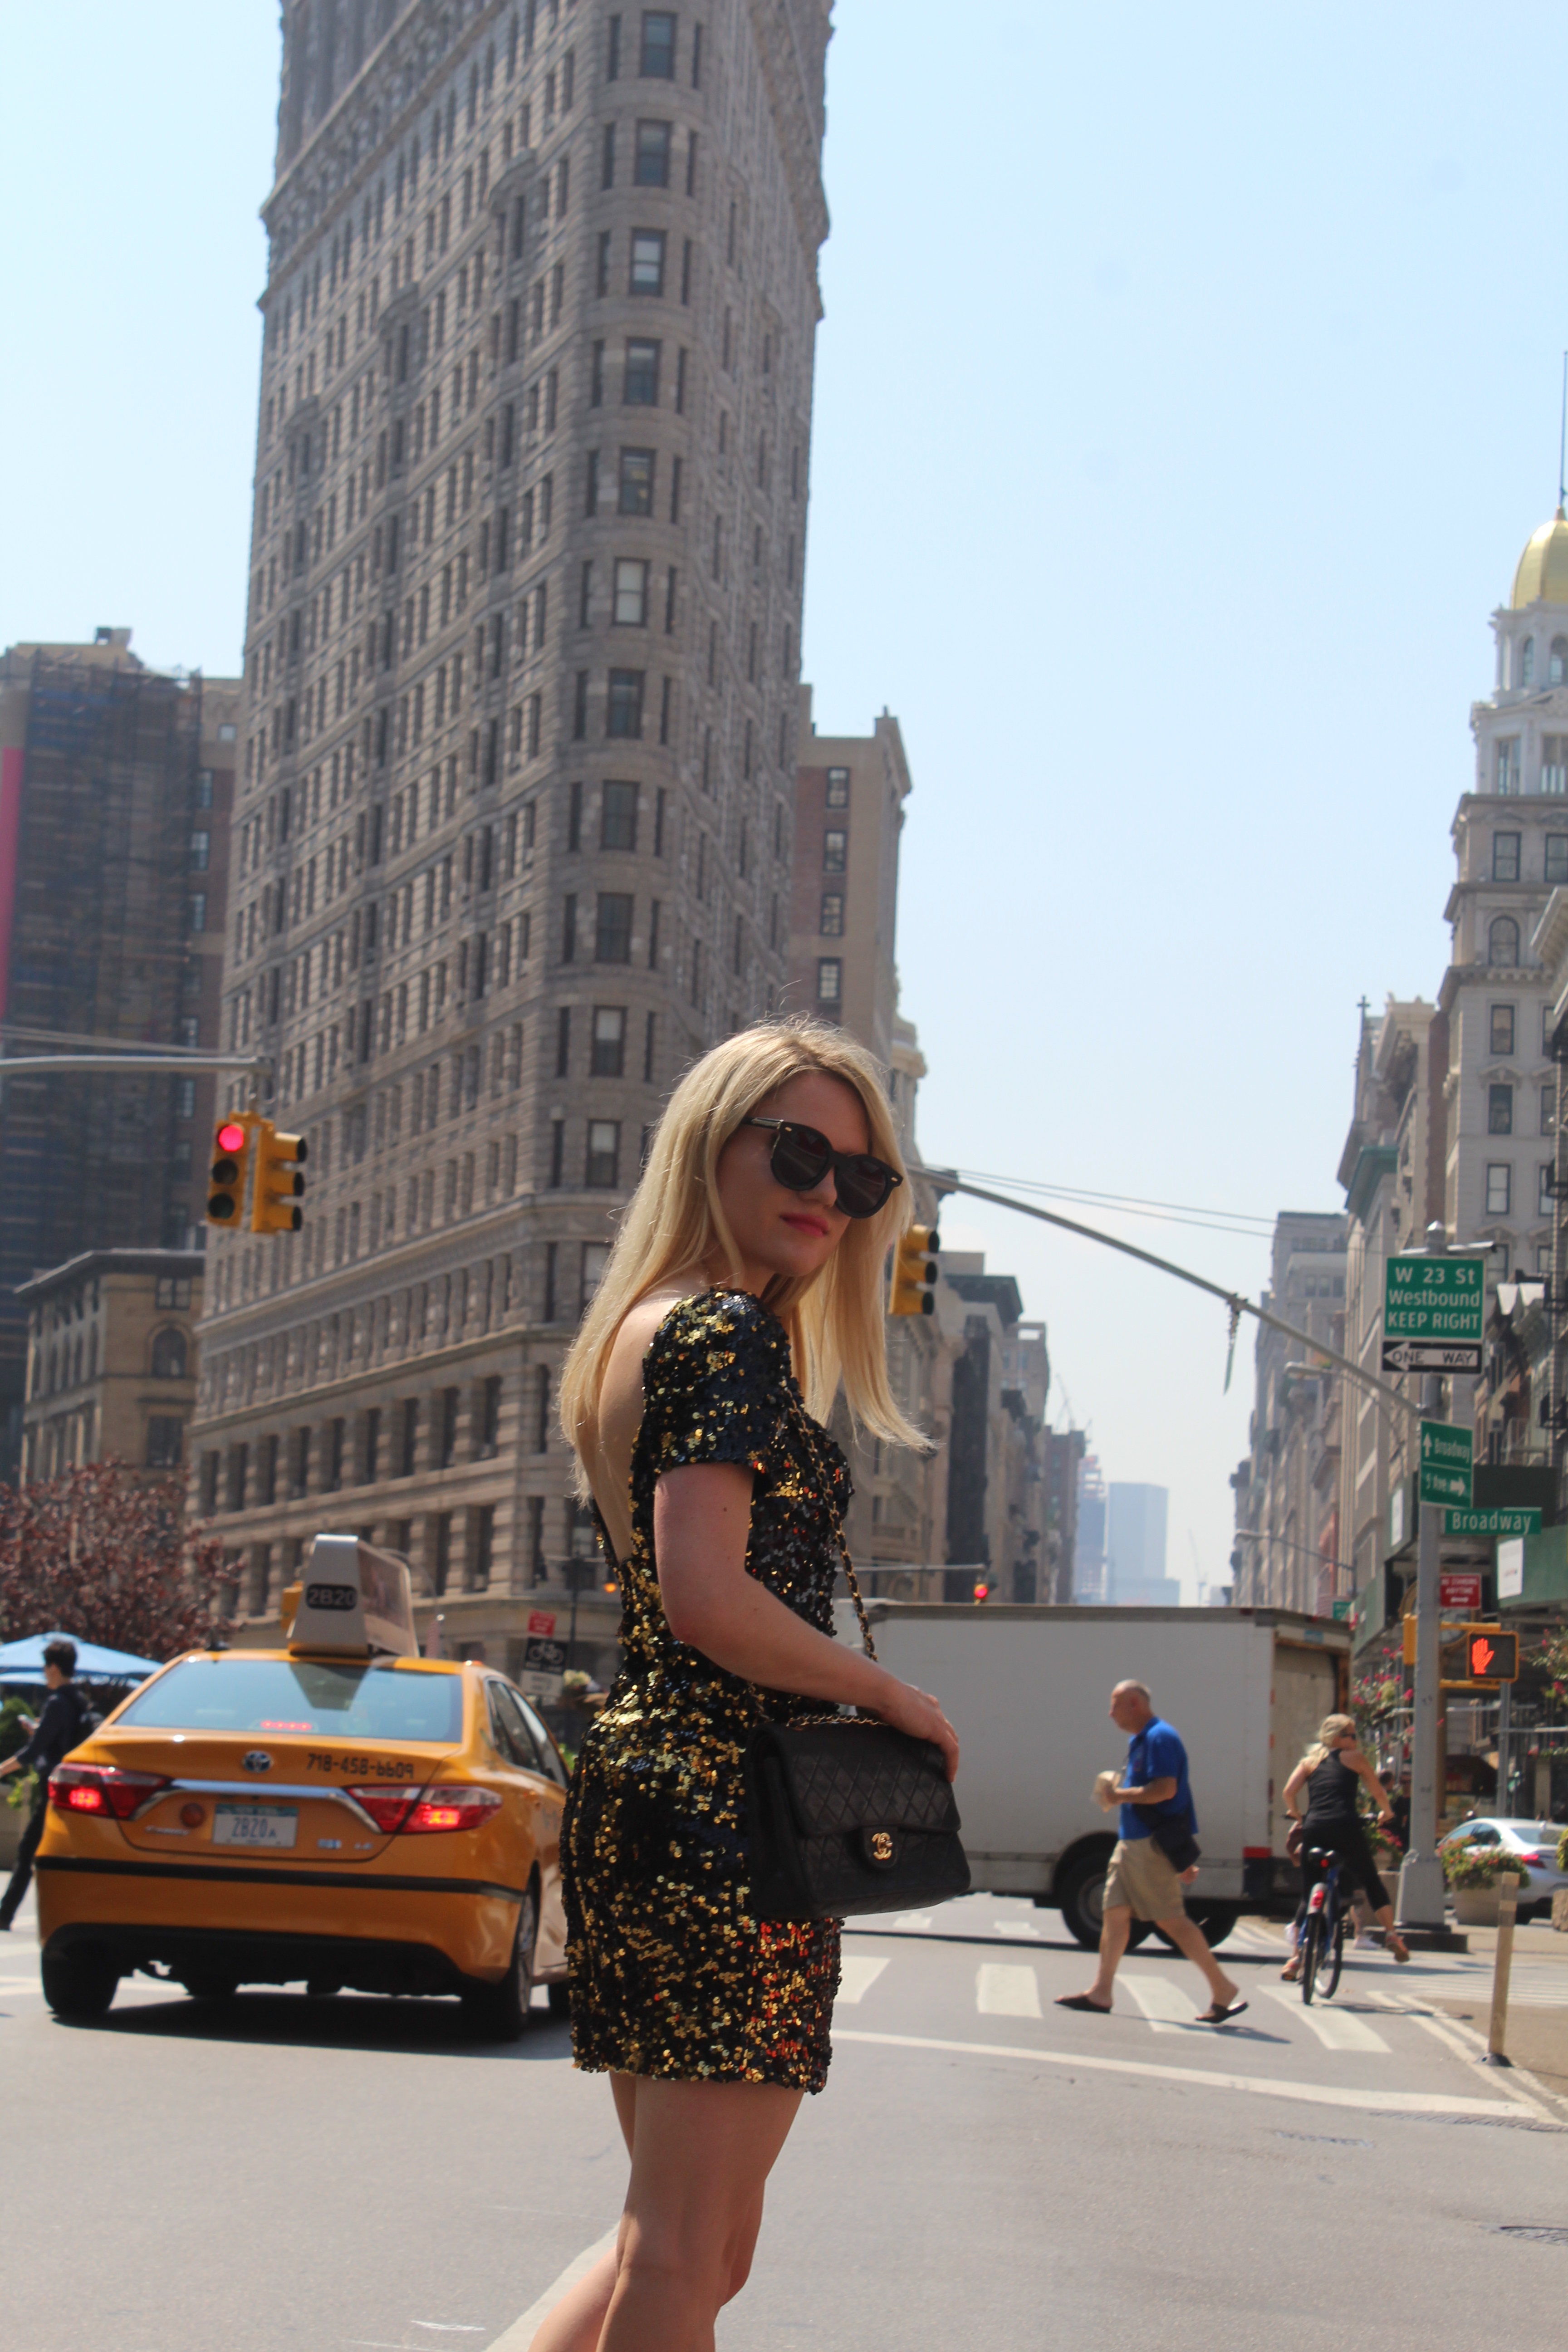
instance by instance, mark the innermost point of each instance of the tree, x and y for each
(104, 1553)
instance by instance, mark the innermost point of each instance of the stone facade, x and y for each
(513, 839)
(111, 1360)
(1286, 1489)
(850, 792)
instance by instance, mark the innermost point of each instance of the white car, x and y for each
(1535, 1844)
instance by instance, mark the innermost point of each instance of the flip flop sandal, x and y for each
(1082, 2001)
(1215, 2015)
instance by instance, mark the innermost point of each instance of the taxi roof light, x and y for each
(354, 1599)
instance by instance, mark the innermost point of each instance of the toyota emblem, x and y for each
(258, 1760)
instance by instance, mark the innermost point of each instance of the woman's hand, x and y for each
(916, 1712)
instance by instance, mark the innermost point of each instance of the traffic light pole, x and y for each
(135, 1064)
(1422, 1892)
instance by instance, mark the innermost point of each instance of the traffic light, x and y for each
(915, 1272)
(279, 1187)
(225, 1185)
(1474, 1655)
(982, 1593)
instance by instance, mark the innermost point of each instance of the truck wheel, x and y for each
(499, 2012)
(79, 1983)
(1080, 1894)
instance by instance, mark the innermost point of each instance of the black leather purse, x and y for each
(846, 1814)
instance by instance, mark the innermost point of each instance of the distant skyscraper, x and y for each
(1089, 1546)
(1135, 1549)
(514, 835)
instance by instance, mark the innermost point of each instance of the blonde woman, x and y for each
(746, 1282)
(1329, 1774)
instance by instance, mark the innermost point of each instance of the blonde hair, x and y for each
(1332, 1726)
(675, 1220)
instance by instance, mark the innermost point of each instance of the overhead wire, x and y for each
(1174, 1213)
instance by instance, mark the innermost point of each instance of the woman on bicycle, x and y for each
(1330, 1772)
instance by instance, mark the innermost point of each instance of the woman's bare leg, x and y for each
(577, 2321)
(702, 2153)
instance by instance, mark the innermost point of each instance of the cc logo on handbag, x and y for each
(881, 1845)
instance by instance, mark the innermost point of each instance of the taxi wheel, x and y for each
(79, 1983)
(499, 2012)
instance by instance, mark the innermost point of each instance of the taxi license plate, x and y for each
(267, 1825)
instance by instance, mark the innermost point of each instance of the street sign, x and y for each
(541, 1621)
(1491, 1523)
(543, 1665)
(1510, 1569)
(1432, 1311)
(1444, 1463)
(1460, 1587)
(1343, 1611)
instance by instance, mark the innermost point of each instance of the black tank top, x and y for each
(1331, 1791)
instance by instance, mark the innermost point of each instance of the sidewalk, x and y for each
(1537, 2034)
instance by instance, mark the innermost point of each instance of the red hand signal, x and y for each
(1481, 1655)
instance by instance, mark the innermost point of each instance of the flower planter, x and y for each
(1476, 1907)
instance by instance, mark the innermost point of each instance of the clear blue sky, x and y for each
(1188, 386)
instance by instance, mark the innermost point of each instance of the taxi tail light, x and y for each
(388, 1808)
(453, 1806)
(102, 1789)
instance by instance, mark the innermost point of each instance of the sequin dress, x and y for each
(670, 1975)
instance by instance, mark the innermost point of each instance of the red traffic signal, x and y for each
(230, 1138)
(982, 1591)
(226, 1181)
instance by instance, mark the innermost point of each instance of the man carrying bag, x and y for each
(1156, 1851)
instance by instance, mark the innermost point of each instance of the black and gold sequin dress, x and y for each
(670, 1975)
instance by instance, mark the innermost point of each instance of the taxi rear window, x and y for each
(304, 1695)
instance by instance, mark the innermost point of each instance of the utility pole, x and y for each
(1422, 1891)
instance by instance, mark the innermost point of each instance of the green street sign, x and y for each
(1491, 1523)
(1432, 1311)
(1446, 1455)
(1343, 1611)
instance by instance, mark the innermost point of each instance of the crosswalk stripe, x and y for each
(857, 1976)
(1002, 1992)
(1168, 2008)
(1336, 2029)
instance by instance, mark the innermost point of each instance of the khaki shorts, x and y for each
(1142, 1879)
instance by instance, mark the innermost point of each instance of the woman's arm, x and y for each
(701, 1521)
(1293, 1786)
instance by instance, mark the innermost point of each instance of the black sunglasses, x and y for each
(802, 1155)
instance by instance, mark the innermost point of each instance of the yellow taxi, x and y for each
(342, 1811)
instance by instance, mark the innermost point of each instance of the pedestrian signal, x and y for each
(1477, 1654)
(915, 1272)
(225, 1183)
(279, 1187)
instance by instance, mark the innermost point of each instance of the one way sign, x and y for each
(1432, 1355)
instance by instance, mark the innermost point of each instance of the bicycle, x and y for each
(1323, 1939)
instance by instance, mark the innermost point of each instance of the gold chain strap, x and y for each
(826, 1484)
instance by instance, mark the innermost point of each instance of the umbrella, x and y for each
(24, 1661)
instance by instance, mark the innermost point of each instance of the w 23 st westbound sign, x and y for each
(1432, 1311)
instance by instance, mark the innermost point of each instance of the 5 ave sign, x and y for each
(1446, 1455)
(1433, 1312)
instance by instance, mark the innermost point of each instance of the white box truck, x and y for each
(1029, 1690)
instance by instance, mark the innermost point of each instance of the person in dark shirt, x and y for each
(60, 1729)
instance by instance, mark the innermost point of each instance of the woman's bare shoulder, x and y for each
(640, 1325)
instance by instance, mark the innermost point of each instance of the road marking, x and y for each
(1016, 1927)
(1167, 2008)
(1469, 2047)
(1263, 2087)
(856, 1976)
(912, 1919)
(1336, 2029)
(1003, 1991)
(522, 2331)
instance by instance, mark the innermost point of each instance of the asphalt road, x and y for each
(284, 2174)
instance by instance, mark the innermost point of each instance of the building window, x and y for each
(647, 261)
(1503, 942)
(613, 932)
(631, 594)
(595, 1258)
(1497, 1270)
(619, 816)
(641, 382)
(608, 1056)
(636, 481)
(408, 1438)
(835, 851)
(1505, 755)
(830, 979)
(173, 1290)
(838, 788)
(1500, 1188)
(623, 716)
(201, 850)
(659, 44)
(185, 1098)
(1557, 662)
(1556, 868)
(1554, 764)
(489, 1414)
(1505, 857)
(1527, 662)
(165, 1441)
(652, 167)
(484, 1546)
(604, 1153)
(831, 926)
(1549, 1109)
(196, 918)
(169, 1355)
(1499, 1110)
(448, 1433)
(441, 1568)
(1543, 1190)
(1499, 1035)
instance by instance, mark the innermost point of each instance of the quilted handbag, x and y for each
(846, 1814)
